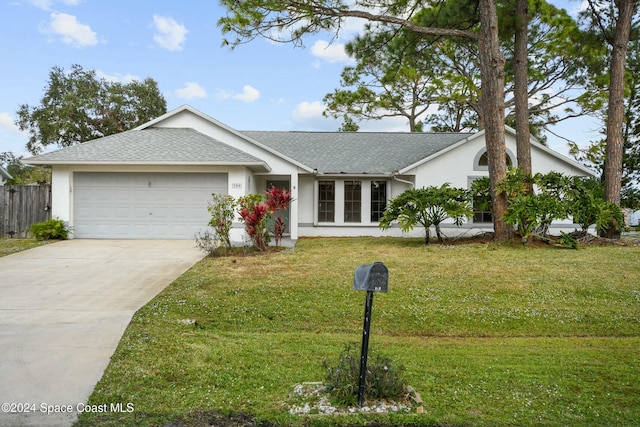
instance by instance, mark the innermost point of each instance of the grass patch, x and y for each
(490, 335)
(10, 246)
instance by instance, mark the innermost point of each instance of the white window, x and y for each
(481, 161)
(351, 201)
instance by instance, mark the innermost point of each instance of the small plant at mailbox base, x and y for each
(385, 380)
(49, 230)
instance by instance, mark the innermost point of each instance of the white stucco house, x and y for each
(154, 182)
(4, 175)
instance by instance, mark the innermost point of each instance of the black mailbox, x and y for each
(371, 277)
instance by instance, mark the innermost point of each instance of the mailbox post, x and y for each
(370, 278)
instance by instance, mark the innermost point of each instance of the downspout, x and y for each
(395, 174)
(315, 197)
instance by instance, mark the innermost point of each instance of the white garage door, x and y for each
(143, 205)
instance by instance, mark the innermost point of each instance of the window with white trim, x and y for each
(378, 199)
(345, 201)
(352, 201)
(326, 201)
(481, 207)
(481, 161)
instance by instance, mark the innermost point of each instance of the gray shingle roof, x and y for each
(151, 145)
(328, 152)
(356, 152)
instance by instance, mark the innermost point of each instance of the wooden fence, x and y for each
(21, 206)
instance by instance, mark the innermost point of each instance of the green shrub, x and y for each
(222, 210)
(49, 230)
(568, 240)
(384, 380)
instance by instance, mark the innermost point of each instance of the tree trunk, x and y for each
(521, 93)
(492, 104)
(615, 114)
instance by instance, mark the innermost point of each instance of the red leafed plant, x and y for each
(278, 200)
(254, 213)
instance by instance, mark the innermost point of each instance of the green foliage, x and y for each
(384, 380)
(22, 174)
(54, 229)
(254, 209)
(399, 72)
(593, 155)
(393, 76)
(427, 206)
(78, 107)
(480, 192)
(567, 239)
(222, 209)
(587, 205)
(555, 197)
(532, 212)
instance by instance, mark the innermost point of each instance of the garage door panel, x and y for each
(143, 205)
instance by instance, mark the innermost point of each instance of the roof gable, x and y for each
(152, 146)
(183, 112)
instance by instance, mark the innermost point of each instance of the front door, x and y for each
(284, 215)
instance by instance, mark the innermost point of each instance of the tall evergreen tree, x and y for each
(613, 21)
(291, 20)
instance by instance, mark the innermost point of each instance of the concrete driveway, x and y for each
(63, 310)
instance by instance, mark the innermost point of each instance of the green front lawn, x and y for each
(490, 335)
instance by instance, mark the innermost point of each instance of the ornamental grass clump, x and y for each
(384, 379)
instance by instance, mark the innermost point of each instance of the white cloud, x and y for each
(46, 4)
(117, 78)
(191, 90)
(41, 4)
(330, 52)
(7, 123)
(308, 110)
(308, 116)
(70, 30)
(169, 34)
(249, 94)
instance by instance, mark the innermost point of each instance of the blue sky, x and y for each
(258, 86)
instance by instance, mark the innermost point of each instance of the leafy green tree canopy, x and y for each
(78, 106)
(22, 174)
(399, 72)
(388, 80)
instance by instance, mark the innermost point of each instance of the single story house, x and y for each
(155, 181)
(4, 175)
